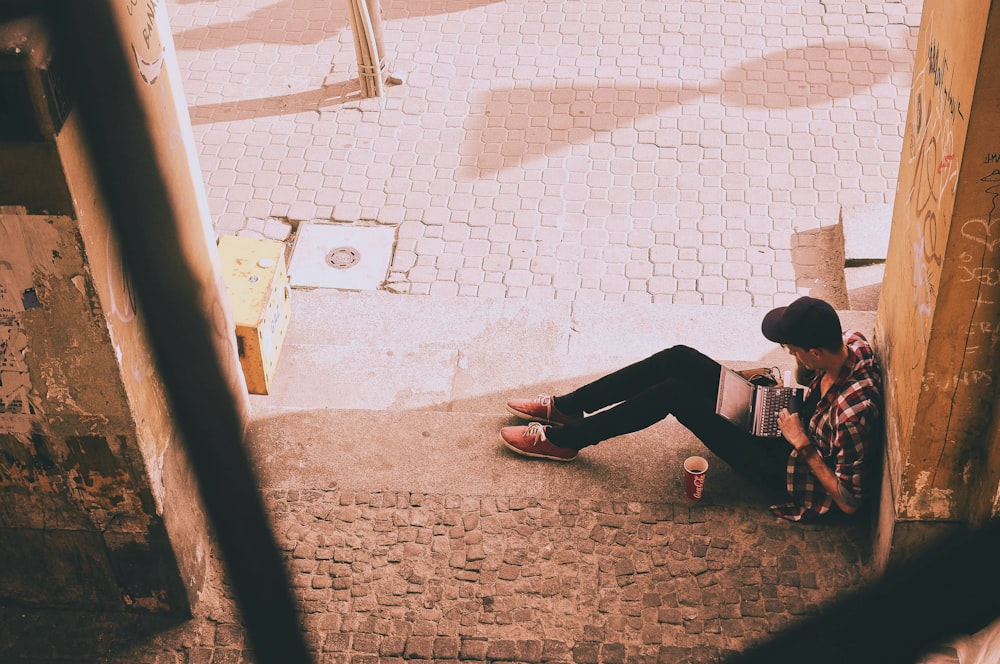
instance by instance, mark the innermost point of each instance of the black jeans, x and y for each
(678, 381)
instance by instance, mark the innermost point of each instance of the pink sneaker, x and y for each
(531, 442)
(539, 409)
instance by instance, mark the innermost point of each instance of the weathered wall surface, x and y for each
(98, 506)
(147, 46)
(937, 320)
(76, 512)
(975, 290)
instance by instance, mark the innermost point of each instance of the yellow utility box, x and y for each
(256, 279)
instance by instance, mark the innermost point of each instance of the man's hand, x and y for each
(793, 430)
(765, 371)
(795, 433)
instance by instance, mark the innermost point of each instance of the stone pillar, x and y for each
(938, 323)
(98, 505)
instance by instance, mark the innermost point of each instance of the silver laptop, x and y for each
(755, 408)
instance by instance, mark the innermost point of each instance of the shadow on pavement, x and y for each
(40, 635)
(557, 116)
(303, 22)
(316, 101)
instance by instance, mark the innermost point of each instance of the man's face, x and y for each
(807, 358)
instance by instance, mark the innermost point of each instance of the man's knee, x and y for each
(680, 352)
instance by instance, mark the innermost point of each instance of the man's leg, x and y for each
(678, 362)
(762, 461)
(679, 379)
(687, 387)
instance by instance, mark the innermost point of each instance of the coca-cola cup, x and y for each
(694, 476)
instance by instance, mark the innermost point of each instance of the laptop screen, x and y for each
(735, 397)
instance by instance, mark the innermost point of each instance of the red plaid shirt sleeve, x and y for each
(843, 428)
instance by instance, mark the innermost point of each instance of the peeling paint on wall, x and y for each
(72, 478)
(29, 299)
(24, 461)
(17, 403)
(927, 502)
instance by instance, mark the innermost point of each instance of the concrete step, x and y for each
(864, 285)
(385, 352)
(865, 230)
(462, 454)
(382, 392)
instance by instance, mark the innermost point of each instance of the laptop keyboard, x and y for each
(772, 403)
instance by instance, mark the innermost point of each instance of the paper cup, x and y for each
(694, 476)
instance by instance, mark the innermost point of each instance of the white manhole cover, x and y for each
(343, 257)
(340, 256)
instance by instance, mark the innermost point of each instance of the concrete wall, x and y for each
(31, 174)
(98, 507)
(937, 329)
(79, 524)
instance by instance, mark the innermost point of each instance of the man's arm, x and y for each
(758, 371)
(791, 427)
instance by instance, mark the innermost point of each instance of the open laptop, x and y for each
(755, 408)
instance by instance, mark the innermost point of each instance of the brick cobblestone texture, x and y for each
(390, 577)
(656, 151)
(669, 152)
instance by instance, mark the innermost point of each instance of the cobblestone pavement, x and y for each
(658, 151)
(687, 152)
(390, 577)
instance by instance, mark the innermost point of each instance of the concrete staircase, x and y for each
(865, 231)
(376, 391)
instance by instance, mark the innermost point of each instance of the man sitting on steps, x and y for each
(818, 465)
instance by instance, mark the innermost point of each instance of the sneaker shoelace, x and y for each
(545, 400)
(535, 430)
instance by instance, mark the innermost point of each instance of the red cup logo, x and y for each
(699, 485)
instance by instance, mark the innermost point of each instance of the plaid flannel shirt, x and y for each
(842, 428)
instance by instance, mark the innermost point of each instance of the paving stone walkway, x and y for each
(575, 580)
(391, 577)
(655, 151)
(670, 152)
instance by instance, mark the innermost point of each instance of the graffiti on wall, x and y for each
(145, 39)
(984, 231)
(977, 265)
(931, 155)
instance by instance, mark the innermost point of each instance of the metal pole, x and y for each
(365, 44)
